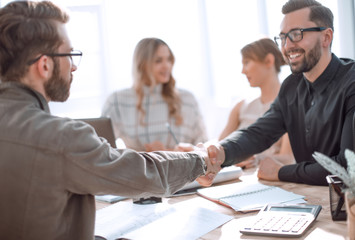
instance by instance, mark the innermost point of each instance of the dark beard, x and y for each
(56, 88)
(310, 60)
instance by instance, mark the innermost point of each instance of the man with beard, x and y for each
(315, 105)
(52, 167)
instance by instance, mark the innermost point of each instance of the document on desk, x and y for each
(155, 221)
(243, 196)
(226, 174)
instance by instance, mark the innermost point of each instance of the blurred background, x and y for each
(205, 36)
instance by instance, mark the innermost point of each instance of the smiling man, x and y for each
(315, 105)
(51, 167)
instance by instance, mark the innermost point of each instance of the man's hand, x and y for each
(213, 161)
(269, 169)
(249, 163)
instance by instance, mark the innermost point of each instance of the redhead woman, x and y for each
(262, 61)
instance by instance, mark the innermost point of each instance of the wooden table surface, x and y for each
(323, 229)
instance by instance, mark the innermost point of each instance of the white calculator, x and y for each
(282, 220)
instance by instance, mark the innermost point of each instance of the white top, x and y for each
(121, 108)
(249, 112)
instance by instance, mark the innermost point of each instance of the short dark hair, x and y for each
(319, 14)
(259, 49)
(27, 29)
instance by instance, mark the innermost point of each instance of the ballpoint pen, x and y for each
(171, 132)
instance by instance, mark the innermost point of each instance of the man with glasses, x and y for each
(315, 105)
(51, 167)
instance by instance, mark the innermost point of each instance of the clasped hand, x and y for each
(214, 157)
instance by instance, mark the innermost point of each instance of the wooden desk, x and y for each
(323, 229)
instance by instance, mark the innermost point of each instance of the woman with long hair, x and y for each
(153, 114)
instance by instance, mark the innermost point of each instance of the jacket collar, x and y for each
(321, 83)
(27, 93)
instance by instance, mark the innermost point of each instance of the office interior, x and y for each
(205, 36)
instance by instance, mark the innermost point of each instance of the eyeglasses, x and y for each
(295, 35)
(75, 57)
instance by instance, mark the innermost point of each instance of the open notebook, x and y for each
(244, 196)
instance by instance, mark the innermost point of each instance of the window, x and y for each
(205, 35)
(88, 89)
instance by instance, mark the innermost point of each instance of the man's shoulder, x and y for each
(49, 130)
(346, 71)
(61, 133)
(348, 66)
(347, 61)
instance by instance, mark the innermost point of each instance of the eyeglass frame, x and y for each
(71, 54)
(311, 29)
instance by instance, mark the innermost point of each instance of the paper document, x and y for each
(244, 196)
(226, 174)
(155, 221)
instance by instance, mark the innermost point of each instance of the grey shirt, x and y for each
(51, 168)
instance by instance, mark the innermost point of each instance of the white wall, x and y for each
(346, 10)
(205, 35)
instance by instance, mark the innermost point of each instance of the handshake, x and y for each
(213, 155)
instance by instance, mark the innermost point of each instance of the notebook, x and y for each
(103, 128)
(243, 196)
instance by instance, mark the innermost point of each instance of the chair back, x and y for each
(103, 128)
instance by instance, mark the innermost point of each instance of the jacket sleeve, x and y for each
(258, 137)
(312, 172)
(91, 166)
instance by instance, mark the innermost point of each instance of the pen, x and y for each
(171, 132)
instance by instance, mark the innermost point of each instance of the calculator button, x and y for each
(271, 223)
(258, 227)
(299, 225)
(291, 222)
(260, 223)
(279, 224)
(286, 227)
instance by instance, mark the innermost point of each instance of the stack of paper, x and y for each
(155, 221)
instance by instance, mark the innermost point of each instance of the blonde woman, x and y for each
(262, 61)
(153, 114)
